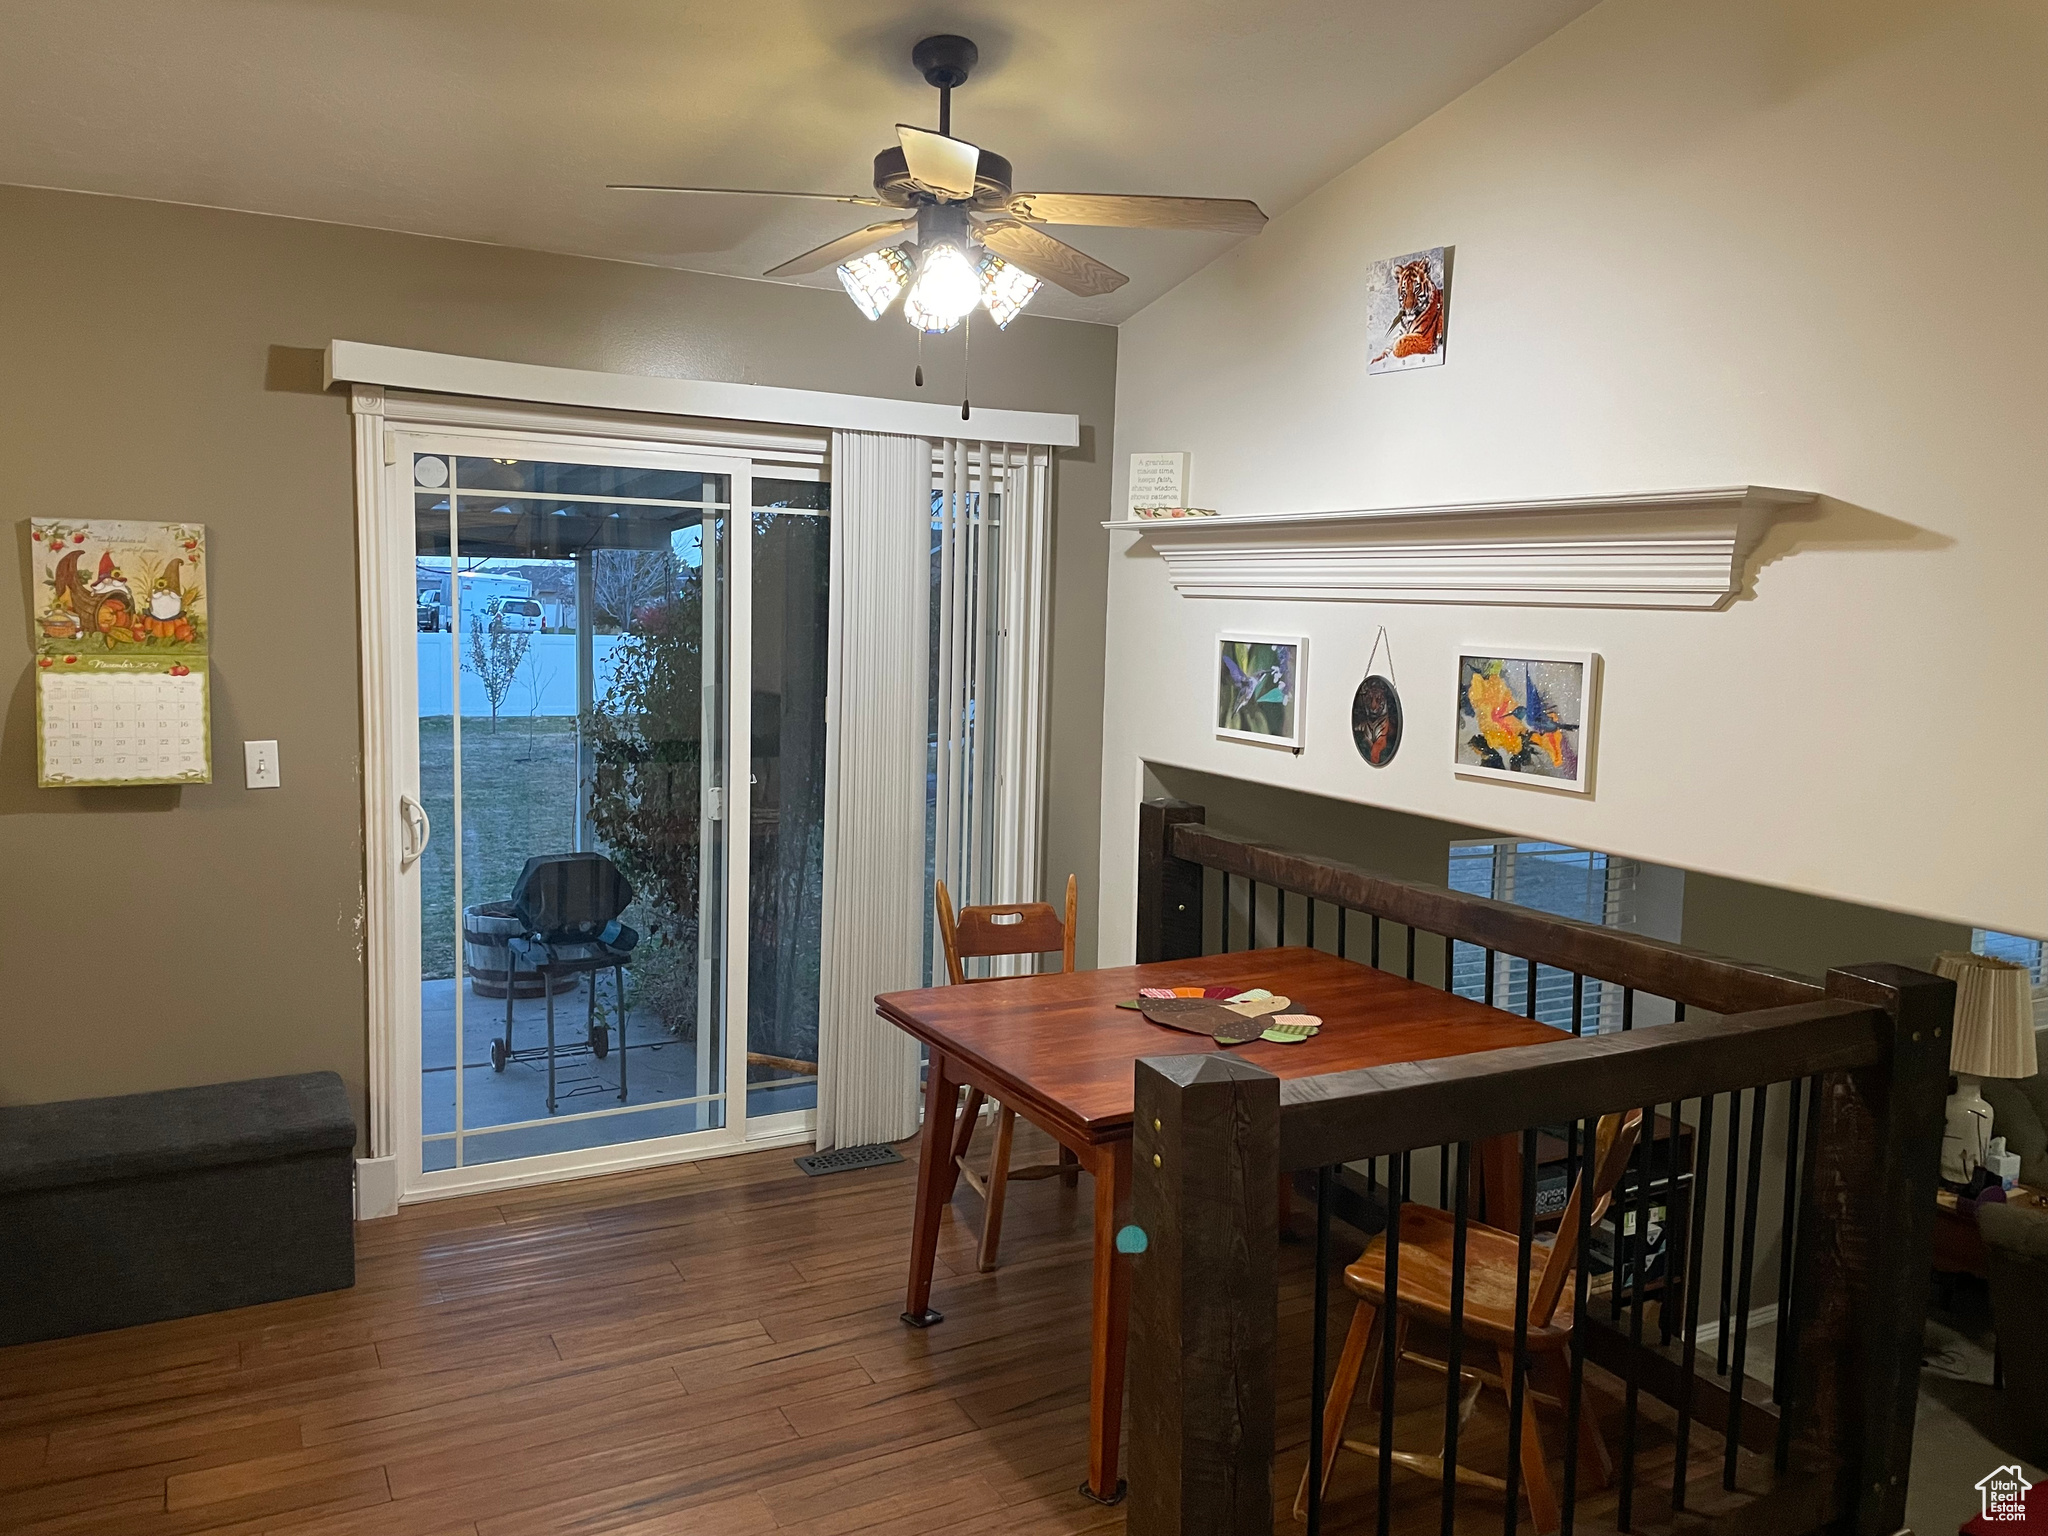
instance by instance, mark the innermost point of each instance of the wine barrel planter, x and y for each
(487, 930)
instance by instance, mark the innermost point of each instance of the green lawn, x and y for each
(518, 799)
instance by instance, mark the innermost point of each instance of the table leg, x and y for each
(935, 1167)
(1111, 1165)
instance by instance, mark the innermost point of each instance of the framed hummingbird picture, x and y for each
(1258, 688)
(1526, 717)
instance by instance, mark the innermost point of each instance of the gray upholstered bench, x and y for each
(154, 1205)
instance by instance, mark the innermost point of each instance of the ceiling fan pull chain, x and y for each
(966, 364)
(919, 379)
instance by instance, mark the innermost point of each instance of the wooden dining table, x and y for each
(1057, 1050)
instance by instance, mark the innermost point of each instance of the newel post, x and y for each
(1865, 1245)
(1169, 888)
(1205, 1297)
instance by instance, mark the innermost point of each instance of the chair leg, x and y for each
(1363, 1338)
(969, 1114)
(998, 1183)
(1070, 1168)
(1595, 1465)
(511, 975)
(1536, 1485)
(619, 996)
(547, 991)
(1383, 1379)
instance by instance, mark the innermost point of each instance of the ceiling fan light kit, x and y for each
(976, 240)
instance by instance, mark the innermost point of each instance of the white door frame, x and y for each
(385, 563)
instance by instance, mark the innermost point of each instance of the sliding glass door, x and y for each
(619, 662)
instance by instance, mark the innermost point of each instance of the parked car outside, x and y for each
(515, 615)
(430, 617)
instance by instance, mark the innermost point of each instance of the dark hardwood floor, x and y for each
(706, 1350)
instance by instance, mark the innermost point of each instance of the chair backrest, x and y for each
(569, 894)
(1020, 928)
(1613, 1144)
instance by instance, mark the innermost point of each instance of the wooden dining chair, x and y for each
(1491, 1265)
(1020, 928)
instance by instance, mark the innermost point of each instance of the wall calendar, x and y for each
(121, 648)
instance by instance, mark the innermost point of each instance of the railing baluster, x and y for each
(1581, 1170)
(1518, 1361)
(1453, 1383)
(1411, 953)
(1757, 1104)
(1390, 1349)
(1529, 996)
(1488, 993)
(1443, 1177)
(1280, 916)
(1311, 922)
(1224, 936)
(1734, 1172)
(1251, 914)
(1666, 1313)
(1645, 1143)
(1702, 1175)
(1578, 1003)
(1343, 943)
(1319, 1352)
(1790, 1320)
(1786, 1227)
(1375, 941)
(1628, 1007)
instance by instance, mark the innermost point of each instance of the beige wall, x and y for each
(156, 937)
(1784, 242)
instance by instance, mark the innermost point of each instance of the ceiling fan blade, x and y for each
(938, 162)
(828, 197)
(845, 248)
(1226, 215)
(1042, 256)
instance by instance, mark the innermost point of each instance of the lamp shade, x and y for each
(1994, 1026)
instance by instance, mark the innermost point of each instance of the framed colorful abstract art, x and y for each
(1258, 688)
(1527, 717)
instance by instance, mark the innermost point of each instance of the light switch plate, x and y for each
(259, 759)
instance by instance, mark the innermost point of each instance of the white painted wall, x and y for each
(1789, 242)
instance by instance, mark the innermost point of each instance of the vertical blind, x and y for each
(874, 807)
(991, 537)
(940, 594)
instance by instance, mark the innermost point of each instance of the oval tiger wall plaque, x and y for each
(1376, 720)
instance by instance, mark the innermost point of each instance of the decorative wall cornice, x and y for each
(1657, 549)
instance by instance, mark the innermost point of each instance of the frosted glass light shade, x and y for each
(947, 287)
(874, 280)
(1005, 289)
(1994, 1026)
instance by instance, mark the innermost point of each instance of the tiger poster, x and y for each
(119, 590)
(1407, 311)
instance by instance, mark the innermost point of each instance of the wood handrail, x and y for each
(1346, 1116)
(1690, 976)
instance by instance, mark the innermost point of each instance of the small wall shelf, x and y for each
(1652, 549)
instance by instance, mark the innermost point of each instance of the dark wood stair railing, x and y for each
(1827, 1446)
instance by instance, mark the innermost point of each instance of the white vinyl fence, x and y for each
(545, 684)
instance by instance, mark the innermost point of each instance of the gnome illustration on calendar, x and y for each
(121, 623)
(106, 588)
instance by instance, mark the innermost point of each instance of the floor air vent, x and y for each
(846, 1159)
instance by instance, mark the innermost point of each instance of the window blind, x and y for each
(1564, 881)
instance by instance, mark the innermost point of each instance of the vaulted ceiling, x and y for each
(502, 120)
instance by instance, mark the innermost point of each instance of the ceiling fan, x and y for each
(977, 242)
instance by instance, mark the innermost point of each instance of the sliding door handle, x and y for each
(419, 831)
